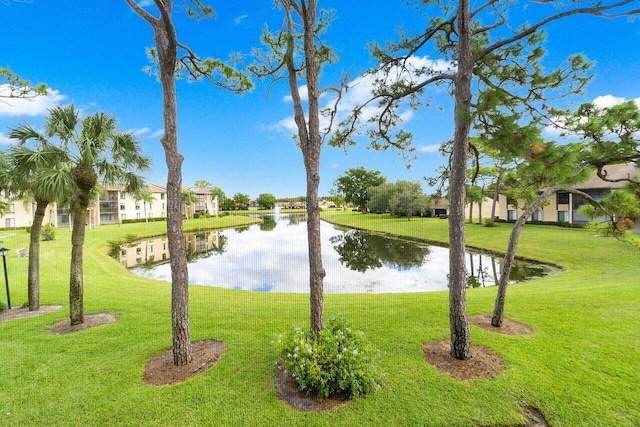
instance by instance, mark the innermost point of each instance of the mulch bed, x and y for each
(509, 327)
(23, 313)
(160, 370)
(90, 321)
(484, 363)
(288, 391)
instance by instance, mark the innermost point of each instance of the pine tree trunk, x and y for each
(459, 324)
(509, 256)
(165, 39)
(496, 195)
(312, 166)
(33, 275)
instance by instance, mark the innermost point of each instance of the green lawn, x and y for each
(581, 366)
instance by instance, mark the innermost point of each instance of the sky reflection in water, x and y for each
(272, 257)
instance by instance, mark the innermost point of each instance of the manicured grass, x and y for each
(580, 367)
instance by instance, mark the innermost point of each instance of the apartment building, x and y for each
(114, 206)
(563, 206)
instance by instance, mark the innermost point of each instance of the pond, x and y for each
(272, 257)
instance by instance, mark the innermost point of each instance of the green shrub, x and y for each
(48, 233)
(486, 222)
(3, 306)
(338, 360)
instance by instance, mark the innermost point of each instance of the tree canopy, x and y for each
(355, 183)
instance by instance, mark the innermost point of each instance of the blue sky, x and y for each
(93, 56)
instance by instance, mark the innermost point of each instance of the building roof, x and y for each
(613, 172)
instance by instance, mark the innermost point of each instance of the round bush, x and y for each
(338, 360)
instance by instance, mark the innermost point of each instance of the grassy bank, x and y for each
(580, 367)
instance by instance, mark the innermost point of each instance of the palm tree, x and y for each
(93, 150)
(188, 198)
(40, 175)
(145, 196)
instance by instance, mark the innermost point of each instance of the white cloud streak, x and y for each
(35, 106)
(238, 20)
(4, 140)
(360, 90)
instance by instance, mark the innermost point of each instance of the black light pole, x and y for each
(4, 252)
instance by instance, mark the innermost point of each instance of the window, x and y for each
(562, 198)
(578, 201)
(12, 208)
(138, 251)
(123, 216)
(563, 216)
(138, 215)
(123, 253)
(123, 196)
(512, 214)
(121, 207)
(537, 216)
(9, 222)
(150, 215)
(162, 197)
(511, 201)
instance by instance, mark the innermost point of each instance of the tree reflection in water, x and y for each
(362, 251)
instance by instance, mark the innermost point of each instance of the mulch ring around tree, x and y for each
(64, 327)
(509, 327)
(160, 370)
(484, 363)
(288, 391)
(23, 313)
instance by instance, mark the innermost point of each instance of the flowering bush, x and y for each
(338, 360)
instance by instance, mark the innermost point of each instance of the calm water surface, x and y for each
(272, 257)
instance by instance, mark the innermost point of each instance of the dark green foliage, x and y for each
(337, 360)
(355, 183)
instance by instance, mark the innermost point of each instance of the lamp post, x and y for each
(4, 252)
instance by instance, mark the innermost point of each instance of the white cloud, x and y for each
(359, 91)
(608, 101)
(4, 140)
(140, 132)
(157, 134)
(238, 20)
(432, 148)
(36, 106)
(302, 91)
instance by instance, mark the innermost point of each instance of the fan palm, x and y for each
(92, 149)
(39, 174)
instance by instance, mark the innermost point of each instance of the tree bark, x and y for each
(85, 180)
(507, 264)
(311, 154)
(514, 237)
(167, 44)
(310, 144)
(166, 41)
(496, 195)
(33, 275)
(459, 324)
